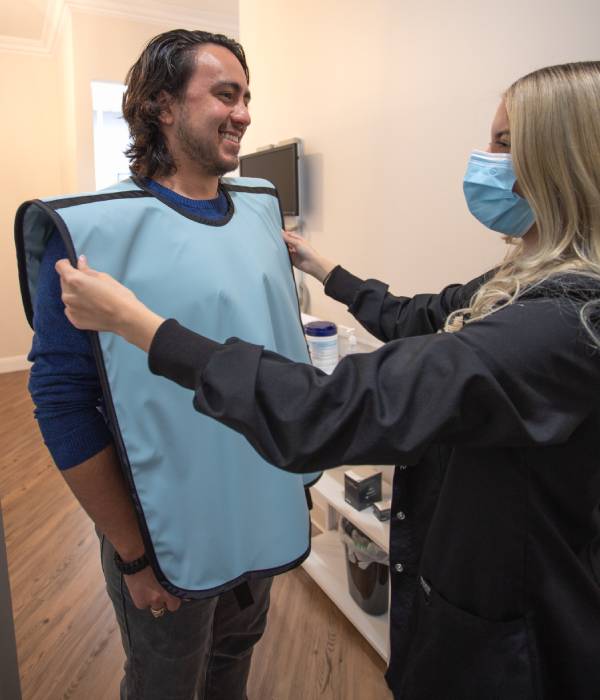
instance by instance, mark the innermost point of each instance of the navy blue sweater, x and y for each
(64, 382)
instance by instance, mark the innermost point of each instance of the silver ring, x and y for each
(158, 612)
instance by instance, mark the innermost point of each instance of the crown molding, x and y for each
(45, 44)
(155, 12)
(148, 11)
(15, 44)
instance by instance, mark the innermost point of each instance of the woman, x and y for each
(495, 544)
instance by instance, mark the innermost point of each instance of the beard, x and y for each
(202, 151)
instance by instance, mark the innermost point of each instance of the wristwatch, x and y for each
(131, 567)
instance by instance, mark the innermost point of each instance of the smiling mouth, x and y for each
(230, 136)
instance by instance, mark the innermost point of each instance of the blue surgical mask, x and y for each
(488, 188)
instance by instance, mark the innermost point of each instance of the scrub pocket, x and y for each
(459, 656)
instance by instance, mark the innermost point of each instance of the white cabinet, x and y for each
(327, 562)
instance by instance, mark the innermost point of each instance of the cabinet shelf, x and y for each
(331, 489)
(327, 562)
(327, 567)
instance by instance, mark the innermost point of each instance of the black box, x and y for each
(362, 489)
(383, 509)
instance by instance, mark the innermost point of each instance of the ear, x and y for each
(166, 104)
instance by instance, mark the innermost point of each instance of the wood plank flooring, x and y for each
(68, 642)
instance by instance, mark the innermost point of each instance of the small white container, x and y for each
(322, 340)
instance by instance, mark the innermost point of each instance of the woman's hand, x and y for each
(93, 300)
(306, 258)
(96, 301)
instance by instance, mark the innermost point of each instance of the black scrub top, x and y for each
(496, 428)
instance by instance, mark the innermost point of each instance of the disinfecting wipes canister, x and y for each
(322, 340)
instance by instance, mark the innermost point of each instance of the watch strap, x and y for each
(131, 567)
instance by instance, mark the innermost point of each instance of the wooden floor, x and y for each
(67, 638)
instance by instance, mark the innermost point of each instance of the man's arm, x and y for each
(65, 388)
(100, 488)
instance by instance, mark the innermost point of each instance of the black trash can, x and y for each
(367, 567)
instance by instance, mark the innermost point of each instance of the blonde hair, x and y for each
(554, 117)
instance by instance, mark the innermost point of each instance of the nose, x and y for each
(241, 115)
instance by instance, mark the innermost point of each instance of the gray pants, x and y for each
(202, 651)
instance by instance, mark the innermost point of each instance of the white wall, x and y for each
(390, 96)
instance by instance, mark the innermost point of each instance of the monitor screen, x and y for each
(280, 166)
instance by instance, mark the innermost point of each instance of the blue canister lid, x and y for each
(320, 328)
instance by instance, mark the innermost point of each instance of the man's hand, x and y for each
(99, 487)
(146, 592)
(306, 258)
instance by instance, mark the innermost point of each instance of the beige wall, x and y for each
(390, 96)
(31, 168)
(46, 134)
(66, 102)
(92, 61)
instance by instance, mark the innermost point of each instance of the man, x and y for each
(191, 520)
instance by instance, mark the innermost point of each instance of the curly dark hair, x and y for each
(166, 63)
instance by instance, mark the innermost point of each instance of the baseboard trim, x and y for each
(18, 363)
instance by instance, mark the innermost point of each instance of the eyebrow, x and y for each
(234, 86)
(500, 134)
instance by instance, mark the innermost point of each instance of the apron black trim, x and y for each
(309, 500)
(91, 198)
(274, 191)
(22, 261)
(49, 208)
(221, 221)
(63, 231)
(229, 585)
(251, 190)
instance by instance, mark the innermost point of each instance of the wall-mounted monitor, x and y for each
(279, 165)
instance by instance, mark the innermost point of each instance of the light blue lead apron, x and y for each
(213, 513)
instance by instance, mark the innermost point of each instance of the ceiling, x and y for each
(24, 19)
(31, 23)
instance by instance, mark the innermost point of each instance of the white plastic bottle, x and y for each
(352, 344)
